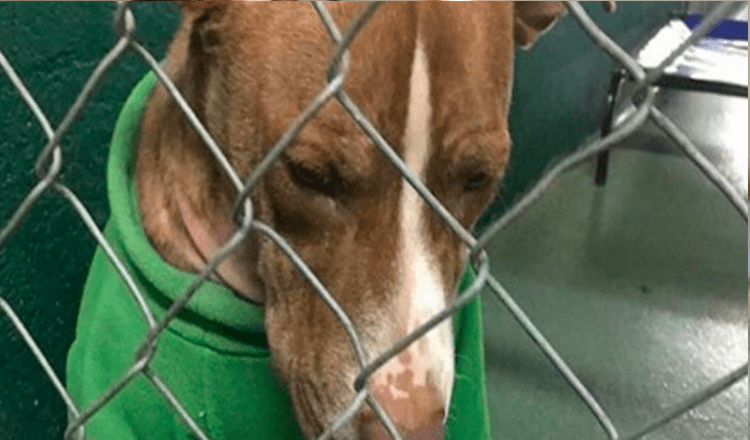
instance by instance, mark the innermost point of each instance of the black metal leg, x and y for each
(602, 162)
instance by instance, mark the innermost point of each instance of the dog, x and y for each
(435, 79)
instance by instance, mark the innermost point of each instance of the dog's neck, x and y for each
(185, 200)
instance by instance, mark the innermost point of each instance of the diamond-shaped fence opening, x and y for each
(49, 161)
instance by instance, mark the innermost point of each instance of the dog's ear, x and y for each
(204, 19)
(197, 7)
(534, 18)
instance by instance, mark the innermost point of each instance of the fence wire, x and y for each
(50, 159)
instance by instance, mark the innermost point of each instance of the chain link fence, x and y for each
(50, 159)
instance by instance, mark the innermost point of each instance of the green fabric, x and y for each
(213, 356)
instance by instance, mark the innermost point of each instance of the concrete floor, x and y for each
(640, 286)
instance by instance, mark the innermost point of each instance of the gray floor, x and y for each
(640, 285)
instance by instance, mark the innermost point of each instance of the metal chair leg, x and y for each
(602, 162)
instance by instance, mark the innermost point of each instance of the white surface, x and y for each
(711, 59)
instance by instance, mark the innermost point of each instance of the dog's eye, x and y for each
(321, 180)
(308, 176)
(476, 181)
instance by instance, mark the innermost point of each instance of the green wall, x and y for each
(54, 46)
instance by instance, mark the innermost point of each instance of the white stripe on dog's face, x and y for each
(428, 361)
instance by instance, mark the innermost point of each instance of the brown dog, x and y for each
(435, 79)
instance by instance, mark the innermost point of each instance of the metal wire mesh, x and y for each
(49, 162)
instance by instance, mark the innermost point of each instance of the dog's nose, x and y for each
(430, 427)
(417, 409)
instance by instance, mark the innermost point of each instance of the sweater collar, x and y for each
(213, 304)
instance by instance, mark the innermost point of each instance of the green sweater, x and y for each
(214, 356)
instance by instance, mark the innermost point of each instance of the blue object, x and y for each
(726, 29)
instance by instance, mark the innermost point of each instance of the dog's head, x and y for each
(435, 79)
